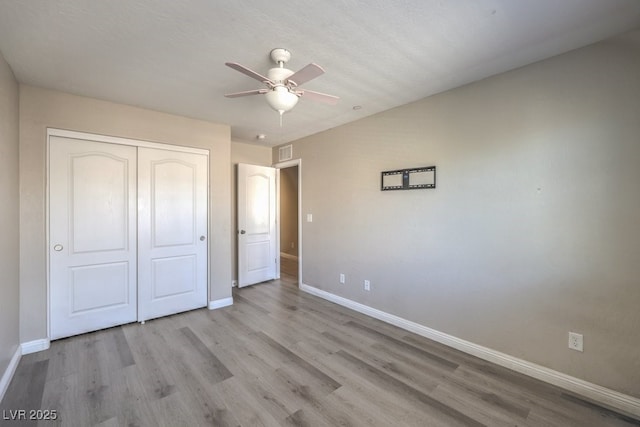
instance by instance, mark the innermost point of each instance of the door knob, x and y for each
(57, 248)
(242, 232)
(202, 238)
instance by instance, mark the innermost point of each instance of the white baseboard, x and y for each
(219, 303)
(5, 380)
(602, 395)
(288, 256)
(35, 346)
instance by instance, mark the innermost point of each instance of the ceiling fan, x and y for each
(282, 89)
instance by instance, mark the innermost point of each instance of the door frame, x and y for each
(63, 133)
(283, 165)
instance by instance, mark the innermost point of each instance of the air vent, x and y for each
(285, 153)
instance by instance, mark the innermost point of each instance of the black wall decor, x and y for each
(408, 179)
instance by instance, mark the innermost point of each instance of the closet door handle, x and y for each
(58, 248)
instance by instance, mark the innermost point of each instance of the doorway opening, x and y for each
(289, 224)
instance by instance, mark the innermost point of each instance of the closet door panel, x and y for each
(92, 235)
(172, 224)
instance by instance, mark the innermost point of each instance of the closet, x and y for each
(127, 224)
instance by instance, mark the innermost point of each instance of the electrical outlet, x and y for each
(342, 278)
(293, 245)
(367, 285)
(576, 341)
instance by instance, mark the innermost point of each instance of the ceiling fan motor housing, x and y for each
(279, 75)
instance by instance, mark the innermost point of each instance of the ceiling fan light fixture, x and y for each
(281, 99)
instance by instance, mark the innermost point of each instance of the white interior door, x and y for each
(257, 238)
(172, 228)
(92, 223)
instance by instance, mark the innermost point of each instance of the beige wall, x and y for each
(289, 210)
(253, 155)
(40, 109)
(532, 231)
(9, 218)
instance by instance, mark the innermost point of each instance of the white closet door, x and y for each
(92, 238)
(172, 227)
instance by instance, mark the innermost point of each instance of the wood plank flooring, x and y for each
(280, 357)
(289, 268)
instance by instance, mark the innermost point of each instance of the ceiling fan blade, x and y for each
(246, 93)
(305, 74)
(244, 70)
(318, 96)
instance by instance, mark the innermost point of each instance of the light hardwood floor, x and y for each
(289, 268)
(277, 357)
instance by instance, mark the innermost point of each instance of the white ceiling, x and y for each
(169, 55)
